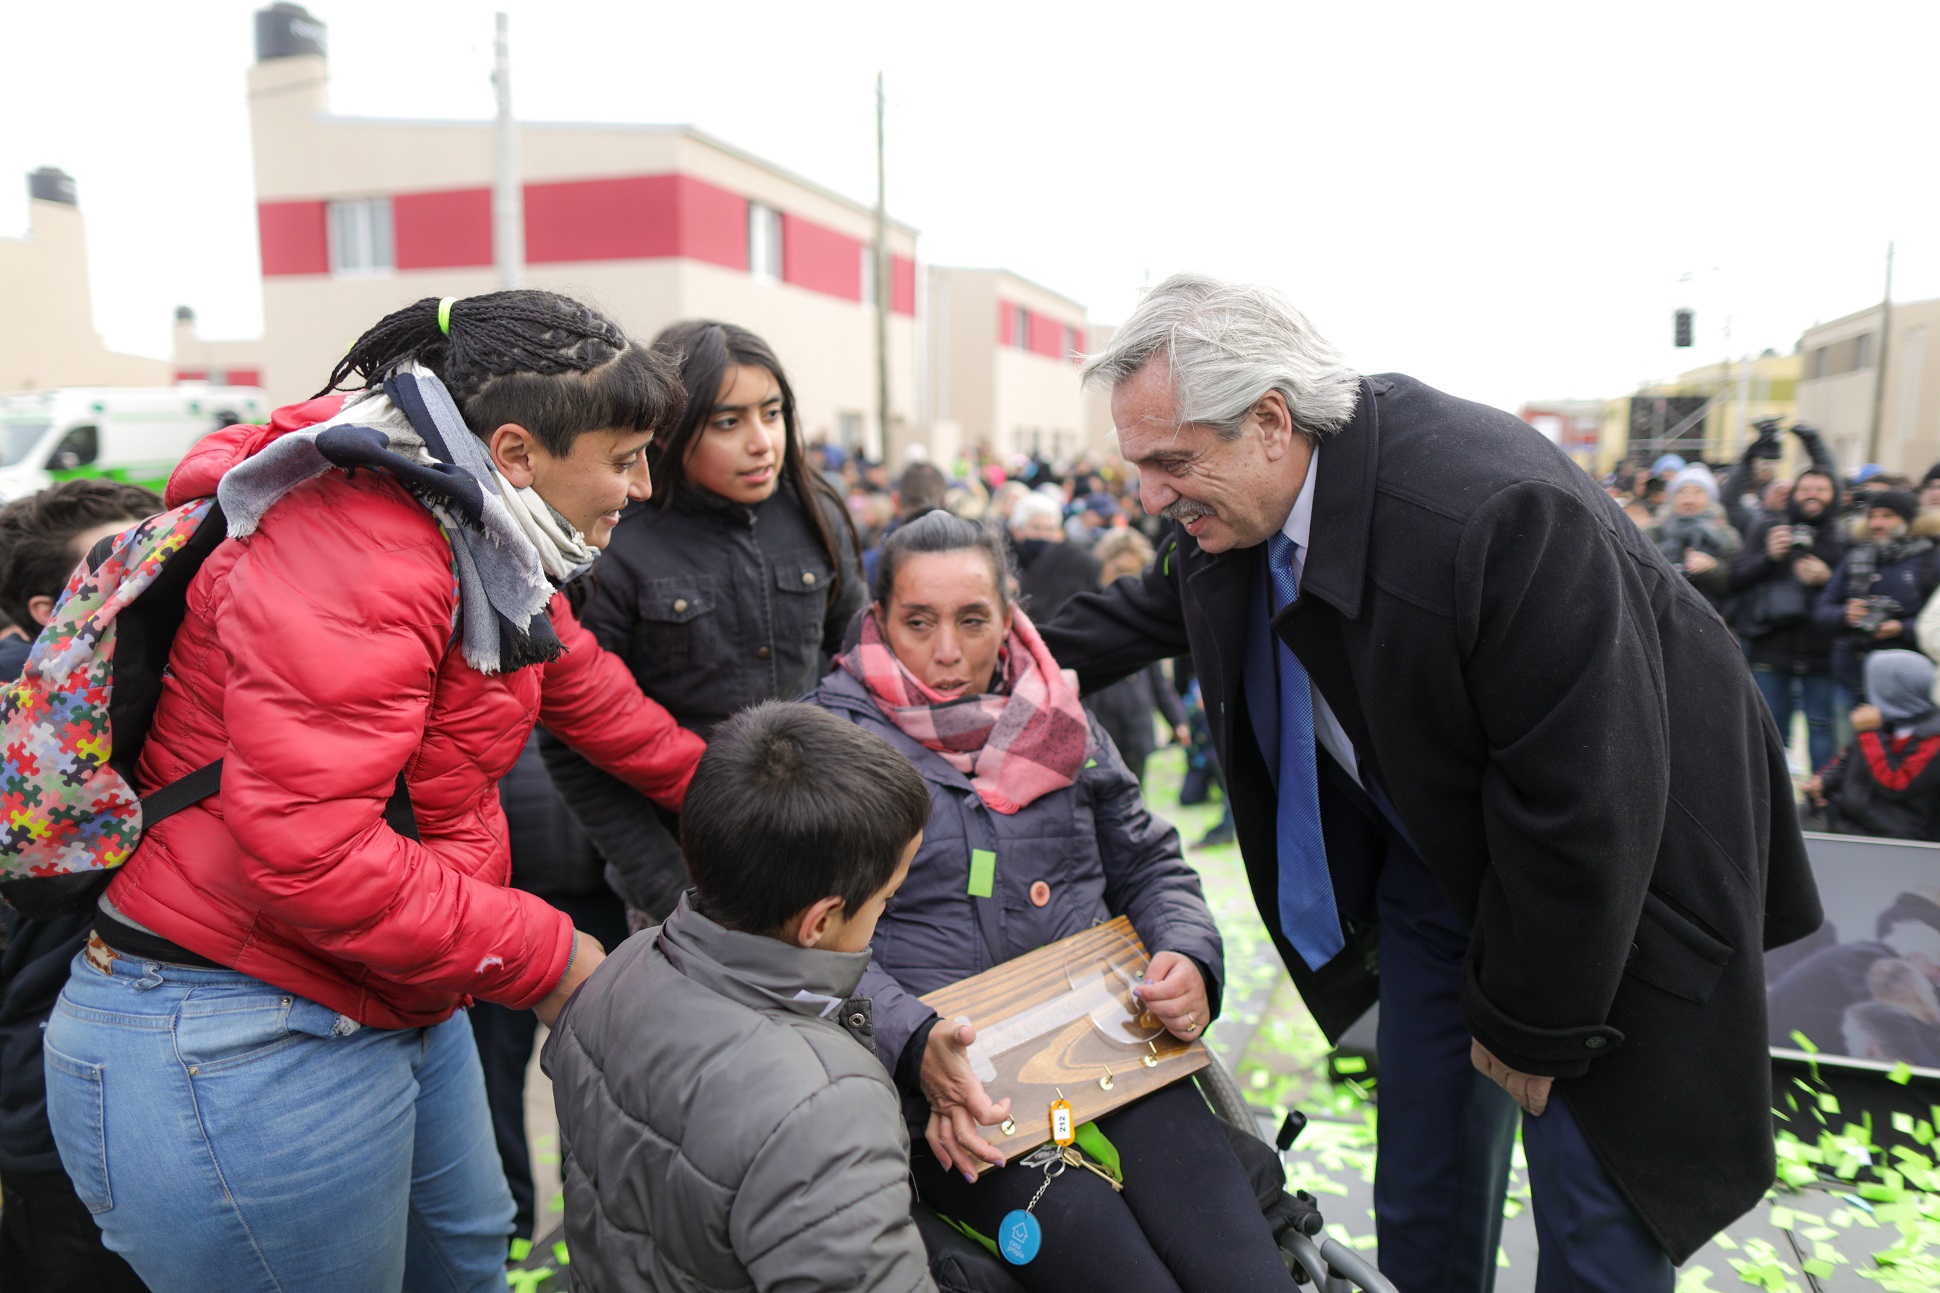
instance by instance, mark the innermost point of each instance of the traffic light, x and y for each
(1683, 318)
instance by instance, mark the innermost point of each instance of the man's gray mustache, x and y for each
(1185, 512)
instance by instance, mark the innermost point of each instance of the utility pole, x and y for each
(883, 293)
(1879, 361)
(508, 196)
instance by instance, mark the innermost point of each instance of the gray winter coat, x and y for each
(719, 1132)
(1093, 843)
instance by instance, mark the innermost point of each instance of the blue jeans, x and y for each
(229, 1135)
(1810, 693)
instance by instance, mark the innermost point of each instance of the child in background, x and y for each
(724, 1122)
(1887, 783)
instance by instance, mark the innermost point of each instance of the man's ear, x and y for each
(42, 609)
(814, 923)
(1275, 420)
(514, 451)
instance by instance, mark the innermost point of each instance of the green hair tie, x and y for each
(444, 314)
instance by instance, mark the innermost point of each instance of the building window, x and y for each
(764, 243)
(1815, 364)
(868, 274)
(1020, 327)
(1863, 351)
(1071, 346)
(361, 240)
(849, 429)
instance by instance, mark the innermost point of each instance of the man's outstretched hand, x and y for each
(1526, 1089)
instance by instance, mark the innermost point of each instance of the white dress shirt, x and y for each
(1327, 728)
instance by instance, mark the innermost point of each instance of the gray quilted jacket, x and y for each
(724, 1123)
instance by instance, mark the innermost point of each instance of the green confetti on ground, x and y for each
(521, 1249)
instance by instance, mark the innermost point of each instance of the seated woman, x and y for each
(954, 676)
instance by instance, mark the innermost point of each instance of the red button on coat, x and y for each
(1040, 894)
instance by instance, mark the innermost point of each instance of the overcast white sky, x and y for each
(1498, 198)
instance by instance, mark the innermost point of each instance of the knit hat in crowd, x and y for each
(1933, 474)
(1900, 686)
(1898, 500)
(1696, 474)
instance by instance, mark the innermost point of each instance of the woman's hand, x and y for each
(1176, 995)
(587, 955)
(958, 1104)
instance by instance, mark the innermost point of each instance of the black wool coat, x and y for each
(1571, 737)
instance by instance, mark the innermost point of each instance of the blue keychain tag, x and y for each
(1019, 1236)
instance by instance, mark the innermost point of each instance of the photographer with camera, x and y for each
(1879, 587)
(1786, 560)
(1744, 489)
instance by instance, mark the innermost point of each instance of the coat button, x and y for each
(1040, 894)
(1596, 1043)
(858, 1019)
(680, 606)
(808, 577)
(763, 653)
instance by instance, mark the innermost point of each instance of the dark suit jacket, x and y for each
(1572, 739)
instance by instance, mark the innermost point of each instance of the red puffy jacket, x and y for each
(319, 658)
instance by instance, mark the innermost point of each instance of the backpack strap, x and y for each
(207, 780)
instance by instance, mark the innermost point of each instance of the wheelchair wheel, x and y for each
(1222, 1092)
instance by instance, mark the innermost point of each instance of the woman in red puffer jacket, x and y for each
(259, 1074)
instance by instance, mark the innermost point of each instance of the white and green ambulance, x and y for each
(130, 433)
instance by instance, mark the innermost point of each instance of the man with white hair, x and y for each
(1050, 571)
(1485, 749)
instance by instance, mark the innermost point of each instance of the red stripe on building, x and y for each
(191, 375)
(634, 218)
(1047, 337)
(451, 229)
(902, 285)
(820, 259)
(293, 238)
(245, 377)
(713, 223)
(1006, 323)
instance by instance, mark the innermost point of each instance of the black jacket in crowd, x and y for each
(1125, 711)
(1051, 573)
(1885, 786)
(714, 606)
(1572, 738)
(1774, 610)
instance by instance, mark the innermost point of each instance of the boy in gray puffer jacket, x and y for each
(723, 1118)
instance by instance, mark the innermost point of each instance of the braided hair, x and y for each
(705, 352)
(549, 363)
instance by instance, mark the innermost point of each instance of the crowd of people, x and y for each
(1828, 583)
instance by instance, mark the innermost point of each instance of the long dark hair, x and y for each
(544, 361)
(703, 351)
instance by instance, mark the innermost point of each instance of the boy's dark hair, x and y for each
(37, 537)
(791, 805)
(544, 361)
(921, 488)
(942, 532)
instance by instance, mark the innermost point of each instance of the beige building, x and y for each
(47, 335)
(1002, 365)
(1839, 388)
(219, 363)
(650, 223)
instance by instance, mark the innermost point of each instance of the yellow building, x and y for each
(1705, 414)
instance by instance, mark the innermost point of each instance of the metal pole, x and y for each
(508, 197)
(883, 293)
(1879, 361)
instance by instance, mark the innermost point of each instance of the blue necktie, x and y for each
(1308, 916)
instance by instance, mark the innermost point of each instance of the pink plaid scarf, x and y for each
(1015, 745)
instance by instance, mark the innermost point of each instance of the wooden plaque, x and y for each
(1040, 1013)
